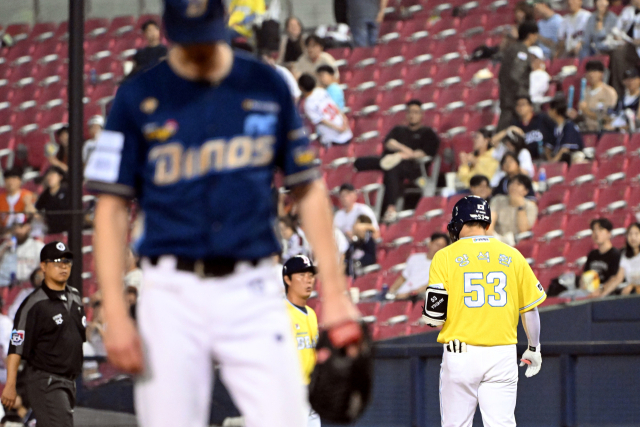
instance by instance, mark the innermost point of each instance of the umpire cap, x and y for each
(469, 208)
(297, 264)
(55, 250)
(195, 21)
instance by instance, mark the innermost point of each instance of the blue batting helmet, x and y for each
(469, 208)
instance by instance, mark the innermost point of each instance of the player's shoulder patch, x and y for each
(17, 337)
(523, 56)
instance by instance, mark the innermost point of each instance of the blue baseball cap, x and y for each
(195, 21)
(297, 264)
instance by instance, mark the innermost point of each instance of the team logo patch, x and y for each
(540, 287)
(149, 105)
(17, 337)
(58, 319)
(262, 106)
(61, 247)
(297, 326)
(162, 133)
(480, 240)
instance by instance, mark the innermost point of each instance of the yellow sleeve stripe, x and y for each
(536, 302)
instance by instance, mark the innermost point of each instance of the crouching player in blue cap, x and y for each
(195, 140)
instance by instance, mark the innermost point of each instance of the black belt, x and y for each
(212, 267)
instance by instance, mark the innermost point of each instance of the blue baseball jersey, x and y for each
(200, 159)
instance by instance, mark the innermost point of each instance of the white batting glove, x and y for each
(533, 359)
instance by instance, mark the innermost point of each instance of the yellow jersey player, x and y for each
(478, 287)
(299, 276)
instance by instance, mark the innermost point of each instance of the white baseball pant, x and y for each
(238, 321)
(482, 375)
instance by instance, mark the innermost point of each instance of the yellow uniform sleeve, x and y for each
(438, 270)
(531, 293)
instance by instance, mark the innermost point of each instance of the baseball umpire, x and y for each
(48, 333)
(477, 288)
(196, 140)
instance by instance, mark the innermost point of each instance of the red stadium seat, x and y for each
(52, 93)
(555, 171)
(393, 100)
(552, 199)
(430, 207)
(55, 117)
(609, 169)
(48, 47)
(634, 198)
(550, 252)
(391, 121)
(358, 100)
(35, 143)
(368, 308)
(548, 224)
(334, 178)
(557, 64)
(438, 25)
(360, 54)
(337, 151)
(395, 257)
(614, 197)
(453, 122)
(453, 98)
(472, 25)
(368, 148)
(590, 140)
(546, 275)
(620, 218)
(463, 143)
(95, 26)
(403, 228)
(366, 124)
(579, 225)
(395, 309)
(577, 250)
(449, 73)
(390, 77)
(27, 121)
(384, 331)
(369, 285)
(103, 93)
(424, 230)
(583, 63)
(18, 31)
(634, 145)
(42, 31)
(51, 69)
(482, 93)
(392, 51)
(410, 28)
(361, 180)
(581, 171)
(529, 249)
(418, 74)
(611, 144)
(121, 24)
(426, 95)
(583, 198)
(633, 168)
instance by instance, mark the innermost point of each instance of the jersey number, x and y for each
(471, 286)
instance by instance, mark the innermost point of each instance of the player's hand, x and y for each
(123, 345)
(534, 361)
(9, 396)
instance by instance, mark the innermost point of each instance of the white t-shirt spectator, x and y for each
(524, 157)
(572, 28)
(319, 107)
(631, 268)
(22, 262)
(345, 221)
(291, 82)
(416, 273)
(6, 326)
(295, 245)
(628, 19)
(538, 85)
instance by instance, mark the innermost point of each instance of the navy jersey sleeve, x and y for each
(295, 157)
(114, 167)
(571, 137)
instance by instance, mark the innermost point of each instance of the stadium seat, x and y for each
(334, 178)
(581, 172)
(453, 123)
(576, 251)
(583, 198)
(546, 275)
(449, 73)
(42, 31)
(549, 253)
(613, 197)
(368, 148)
(633, 168)
(388, 331)
(583, 63)
(18, 31)
(337, 151)
(437, 26)
(395, 257)
(404, 228)
(413, 28)
(50, 69)
(391, 121)
(27, 121)
(555, 172)
(364, 180)
(417, 75)
(54, 93)
(472, 25)
(452, 98)
(48, 47)
(559, 63)
(35, 143)
(549, 225)
(368, 310)
(359, 100)
(55, 117)
(579, 225)
(94, 27)
(529, 250)
(428, 95)
(430, 207)
(366, 124)
(121, 24)
(369, 285)
(392, 52)
(482, 94)
(391, 77)
(391, 311)
(620, 219)
(611, 144)
(479, 120)
(552, 201)
(391, 100)
(612, 169)
(424, 230)
(634, 144)
(362, 55)
(634, 198)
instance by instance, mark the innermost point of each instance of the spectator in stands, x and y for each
(293, 242)
(287, 76)
(480, 161)
(6, 327)
(521, 13)
(20, 254)
(627, 55)
(345, 219)
(548, 24)
(513, 213)
(539, 78)
(96, 124)
(629, 269)
(599, 99)
(510, 166)
(153, 52)
(243, 15)
(57, 153)
(291, 46)
(568, 138)
(327, 78)
(363, 243)
(53, 199)
(572, 29)
(538, 128)
(479, 186)
(16, 201)
(598, 28)
(35, 280)
(514, 72)
(625, 114)
(604, 261)
(415, 276)
(365, 17)
(513, 141)
(330, 123)
(314, 57)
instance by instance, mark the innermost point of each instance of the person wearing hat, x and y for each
(625, 114)
(16, 201)
(53, 199)
(196, 141)
(597, 100)
(48, 332)
(96, 124)
(345, 218)
(299, 277)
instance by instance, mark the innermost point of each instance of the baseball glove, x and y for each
(340, 386)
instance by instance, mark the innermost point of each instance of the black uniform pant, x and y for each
(393, 178)
(52, 398)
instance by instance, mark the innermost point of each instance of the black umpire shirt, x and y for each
(49, 329)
